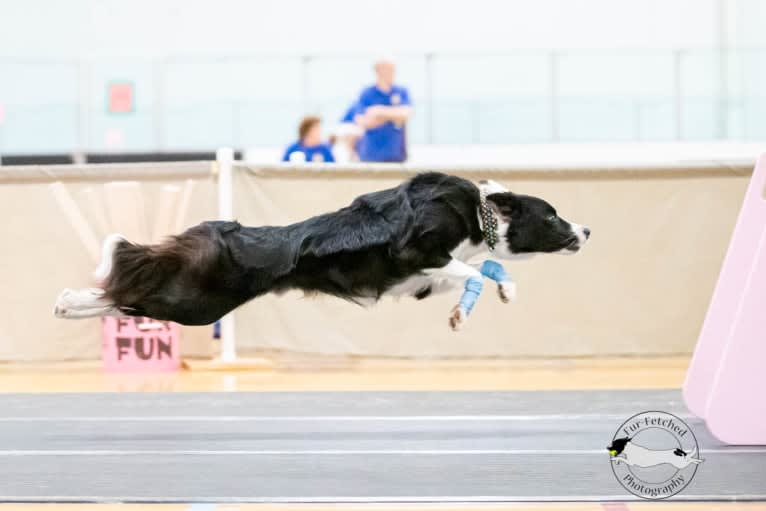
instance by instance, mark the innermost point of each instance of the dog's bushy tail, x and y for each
(138, 271)
(107, 249)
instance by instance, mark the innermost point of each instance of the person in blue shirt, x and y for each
(382, 111)
(309, 147)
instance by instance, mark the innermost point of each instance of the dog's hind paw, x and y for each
(506, 291)
(457, 317)
(62, 303)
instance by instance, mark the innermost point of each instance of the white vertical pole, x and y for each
(225, 159)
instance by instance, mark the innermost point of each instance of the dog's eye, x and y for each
(552, 218)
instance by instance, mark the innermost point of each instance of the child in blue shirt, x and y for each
(309, 147)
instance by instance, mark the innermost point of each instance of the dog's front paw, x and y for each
(457, 317)
(507, 291)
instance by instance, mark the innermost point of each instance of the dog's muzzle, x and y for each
(581, 235)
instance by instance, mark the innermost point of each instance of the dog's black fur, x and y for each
(359, 251)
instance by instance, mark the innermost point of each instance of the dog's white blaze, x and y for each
(579, 231)
(107, 255)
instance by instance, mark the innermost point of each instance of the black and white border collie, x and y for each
(416, 239)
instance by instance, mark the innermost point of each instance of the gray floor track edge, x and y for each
(340, 447)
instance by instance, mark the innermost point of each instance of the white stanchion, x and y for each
(225, 160)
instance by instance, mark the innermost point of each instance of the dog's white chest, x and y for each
(419, 284)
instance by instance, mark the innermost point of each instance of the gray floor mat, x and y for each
(340, 446)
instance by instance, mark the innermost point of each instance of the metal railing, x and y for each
(547, 96)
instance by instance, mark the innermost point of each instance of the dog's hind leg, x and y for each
(84, 303)
(460, 272)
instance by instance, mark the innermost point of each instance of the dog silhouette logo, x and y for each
(654, 455)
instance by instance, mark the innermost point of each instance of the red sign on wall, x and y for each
(120, 97)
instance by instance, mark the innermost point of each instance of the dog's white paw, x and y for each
(62, 303)
(81, 303)
(507, 291)
(457, 317)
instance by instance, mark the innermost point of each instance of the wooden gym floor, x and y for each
(283, 372)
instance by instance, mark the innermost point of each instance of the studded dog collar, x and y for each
(488, 223)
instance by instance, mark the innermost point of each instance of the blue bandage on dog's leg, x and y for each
(472, 291)
(494, 271)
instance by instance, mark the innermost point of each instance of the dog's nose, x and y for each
(586, 232)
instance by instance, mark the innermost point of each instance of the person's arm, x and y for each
(369, 119)
(378, 115)
(363, 113)
(350, 113)
(399, 114)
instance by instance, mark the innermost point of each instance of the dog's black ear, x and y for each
(503, 203)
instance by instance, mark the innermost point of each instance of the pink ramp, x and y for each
(728, 370)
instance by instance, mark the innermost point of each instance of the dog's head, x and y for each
(618, 445)
(528, 225)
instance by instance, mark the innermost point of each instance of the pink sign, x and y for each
(120, 97)
(134, 344)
